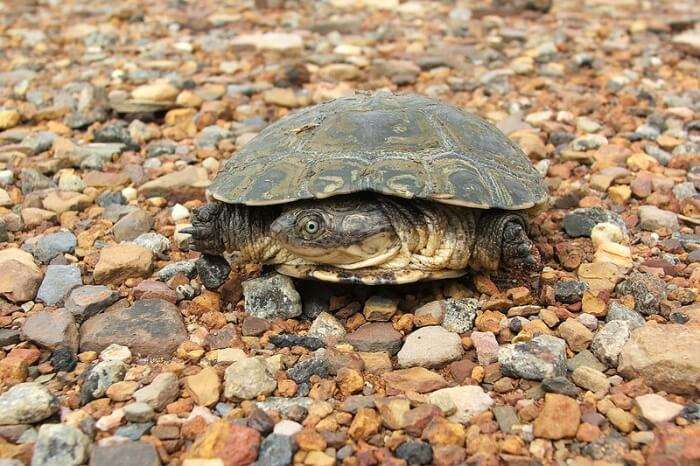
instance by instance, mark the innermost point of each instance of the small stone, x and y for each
(49, 246)
(158, 92)
(9, 118)
(506, 417)
(326, 326)
(576, 335)
(290, 340)
(585, 358)
(647, 289)
(186, 268)
(619, 312)
(486, 347)
(651, 218)
(60, 444)
(115, 352)
(429, 347)
(132, 225)
(469, 401)
(52, 329)
(204, 386)
(254, 326)
(66, 201)
(163, 390)
(380, 308)
(414, 379)
(154, 242)
(276, 450)
(26, 403)
(213, 271)
(122, 261)
(365, 424)
(542, 357)
(580, 222)
(58, 283)
(191, 181)
(608, 342)
(138, 412)
(153, 289)
(287, 428)
(151, 327)
(247, 379)
(460, 314)
(271, 296)
(560, 385)
(415, 452)
(19, 281)
(559, 418)
(235, 445)
(591, 379)
(569, 291)
(621, 419)
(99, 378)
(125, 454)
(656, 409)
(86, 301)
(302, 371)
(665, 356)
(375, 337)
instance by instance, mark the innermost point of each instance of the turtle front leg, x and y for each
(502, 243)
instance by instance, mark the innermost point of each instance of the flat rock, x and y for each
(191, 181)
(326, 326)
(51, 245)
(151, 327)
(163, 390)
(468, 401)
(608, 342)
(375, 337)
(651, 218)
(122, 261)
(486, 347)
(57, 283)
(52, 329)
(414, 379)
(559, 418)
(235, 445)
(665, 356)
(19, 281)
(132, 225)
(430, 347)
(204, 386)
(88, 300)
(657, 409)
(27, 403)
(125, 454)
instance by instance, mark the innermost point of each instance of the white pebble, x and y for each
(115, 352)
(179, 212)
(130, 194)
(606, 233)
(287, 427)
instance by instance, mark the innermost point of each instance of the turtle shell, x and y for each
(400, 145)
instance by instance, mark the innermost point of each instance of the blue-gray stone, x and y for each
(277, 450)
(58, 282)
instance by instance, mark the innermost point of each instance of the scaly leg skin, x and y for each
(503, 246)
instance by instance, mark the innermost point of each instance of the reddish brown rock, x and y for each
(235, 445)
(559, 418)
(414, 379)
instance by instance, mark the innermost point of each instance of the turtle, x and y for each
(379, 188)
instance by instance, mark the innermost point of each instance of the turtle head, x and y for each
(348, 233)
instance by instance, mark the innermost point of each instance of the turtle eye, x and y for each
(311, 226)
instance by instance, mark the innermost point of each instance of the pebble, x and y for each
(213, 271)
(459, 314)
(430, 347)
(49, 246)
(151, 327)
(569, 291)
(204, 387)
(380, 308)
(608, 342)
(415, 452)
(560, 385)
(99, 378)
(163, 390)
(651, 218)
(303, 370)
(27, 403)
(122, 261)
(115, 352)
(542, 357)
(580, 222)
(58, 283)
(326, 326)
(52, 329)
(277, 450)
(132, 225)
(19, 281)
(126, 453)
(154, 242)
(187, 268)
(271, 296)
(59, 444)
(619, 312)
(647, 290)
(248, 378)
(88, 300)
(138, 412)
(467, 401)
(376, 337)
(486, 347)
(576, 335)
(655, 409)
(238, 445)
(590, 379)
(559, 418)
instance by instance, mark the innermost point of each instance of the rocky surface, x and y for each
(120, 345)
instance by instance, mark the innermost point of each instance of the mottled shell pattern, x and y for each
(400, 145)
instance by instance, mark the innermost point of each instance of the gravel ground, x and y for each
(115, 116)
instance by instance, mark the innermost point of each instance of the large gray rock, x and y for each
(26, 403)
(60, 445)
(271, 296)
(49, 246)
(151, 327)
(542, 357)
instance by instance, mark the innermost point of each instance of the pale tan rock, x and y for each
(204, 386)
(122, 261)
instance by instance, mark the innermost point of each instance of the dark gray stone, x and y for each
(560, 385)
(303, 370)
(580, 222)
(212, 270)
(415, 452)
(569, 291)
(647, 289)
(277, 450)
